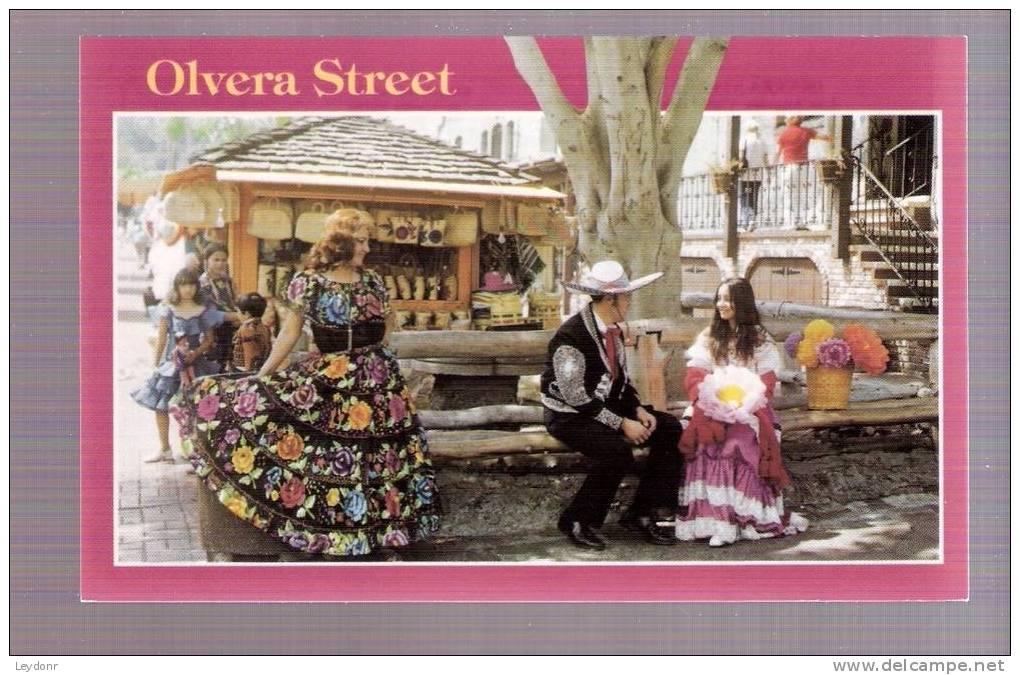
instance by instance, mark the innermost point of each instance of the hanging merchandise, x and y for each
(461, 228)
(271, 219)
(537, 220)
(405, 230)
(432, 233)
(213, 203)
(311, 221)
(384, 224)
(185, 207)
(231, 198)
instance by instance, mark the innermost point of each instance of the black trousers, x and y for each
(610, 456)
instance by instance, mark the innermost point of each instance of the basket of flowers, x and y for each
(830, 361)
(724, 176)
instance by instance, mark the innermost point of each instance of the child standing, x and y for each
(180, 360)
(253, 339)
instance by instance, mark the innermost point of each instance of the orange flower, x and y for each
(290, 446)
(360, 415)
(338, 368)
(869, 354)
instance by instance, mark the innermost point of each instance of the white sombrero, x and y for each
(608, 278)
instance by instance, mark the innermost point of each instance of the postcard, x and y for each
(527, 319)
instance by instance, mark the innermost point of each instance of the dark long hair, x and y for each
(749, 332)
(186, 277)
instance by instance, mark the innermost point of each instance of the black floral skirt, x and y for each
(327, 456)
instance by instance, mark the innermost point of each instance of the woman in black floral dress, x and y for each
(327, 455)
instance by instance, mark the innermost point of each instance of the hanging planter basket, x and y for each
(829, 388)
(723, 182)
(829, 170)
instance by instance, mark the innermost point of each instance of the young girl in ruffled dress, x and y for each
(734, 474)
(185, 334)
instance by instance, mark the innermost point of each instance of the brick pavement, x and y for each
(157, 512)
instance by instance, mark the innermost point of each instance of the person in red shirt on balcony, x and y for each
(800, 195)
(794, 139)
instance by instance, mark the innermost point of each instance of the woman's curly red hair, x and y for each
(337, 242)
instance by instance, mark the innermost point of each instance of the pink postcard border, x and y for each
(776, 74)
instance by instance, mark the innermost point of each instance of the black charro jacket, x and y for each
(576, 377)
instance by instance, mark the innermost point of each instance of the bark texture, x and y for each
(623, 155)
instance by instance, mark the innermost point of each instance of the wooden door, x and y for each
(788, 280)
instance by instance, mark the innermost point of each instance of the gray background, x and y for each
(46, 615)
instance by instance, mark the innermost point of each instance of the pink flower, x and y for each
(297, 288)
(304, 396)
(394, 539)
(208, 407)
(232, 436)
(398, 409)
(247, 404)
(292, 493)
(834, 353)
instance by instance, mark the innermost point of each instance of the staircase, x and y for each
(897, 234)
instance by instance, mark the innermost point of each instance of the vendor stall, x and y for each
(449, 222)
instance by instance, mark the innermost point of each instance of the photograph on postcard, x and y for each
(410, 337)
(436, 326)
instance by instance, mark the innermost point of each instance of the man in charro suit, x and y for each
(592, 407)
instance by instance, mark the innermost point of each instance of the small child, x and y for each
(184, 337)
(253, 339)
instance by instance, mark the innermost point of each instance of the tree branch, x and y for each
(655, 73)
(532, 66)
(683, 116)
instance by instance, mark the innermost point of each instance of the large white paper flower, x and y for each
(731, 394)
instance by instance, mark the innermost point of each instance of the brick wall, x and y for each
(848, 284)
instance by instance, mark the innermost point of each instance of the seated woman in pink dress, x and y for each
(735, 475)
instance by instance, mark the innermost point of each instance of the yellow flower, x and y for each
(818, 330)
(338, 368)
(807, 353)
(274, 495)
(333, 497)
(731, 394)
(206, 383)
(243, 459)
(238, 505)
(360, 415)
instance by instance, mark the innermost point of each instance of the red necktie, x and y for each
(612, 333)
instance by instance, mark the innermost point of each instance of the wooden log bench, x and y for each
(460, 444)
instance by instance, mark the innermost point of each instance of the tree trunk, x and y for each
(623, 156)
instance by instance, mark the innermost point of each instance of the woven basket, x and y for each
(231, 197)
(185, 207)
(432, 233)
(461, 228)
(545, 307)
(310, 222)
(271, 219)
(828, 388)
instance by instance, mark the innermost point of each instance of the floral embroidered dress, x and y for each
(328, 455)
(725, 492)
(165, 381)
